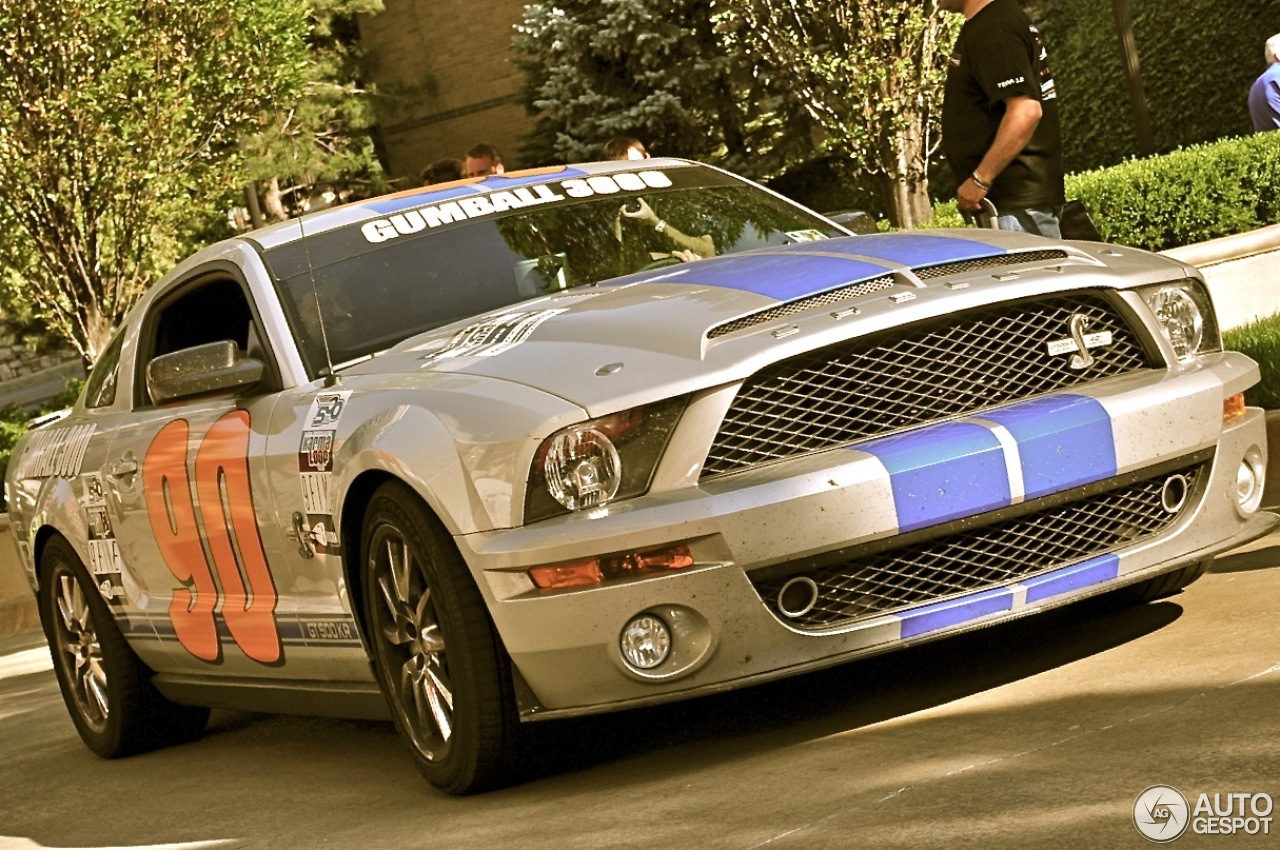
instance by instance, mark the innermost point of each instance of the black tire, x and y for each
(1163, 586)
(437, 656)
(106, 687)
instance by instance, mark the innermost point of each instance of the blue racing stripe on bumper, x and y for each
(1063, 441)
(954, 612)
(943, 472)
(1024, 451)
(940, 615)
(1090, 572)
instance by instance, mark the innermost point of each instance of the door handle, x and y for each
(302, 535)
(123, 467)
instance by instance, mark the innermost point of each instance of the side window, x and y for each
(100, 389)
(211, 309)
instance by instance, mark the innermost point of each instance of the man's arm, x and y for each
(1021, 115)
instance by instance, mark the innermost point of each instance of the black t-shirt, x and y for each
(997, 55)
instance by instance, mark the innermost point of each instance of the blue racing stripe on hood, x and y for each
(920, 250)
(782, 276)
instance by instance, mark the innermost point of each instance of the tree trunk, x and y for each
(907, 201)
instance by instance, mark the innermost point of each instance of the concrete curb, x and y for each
(1241, 273)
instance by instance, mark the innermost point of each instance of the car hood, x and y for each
(694, 325)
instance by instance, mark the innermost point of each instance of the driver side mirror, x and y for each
(201, 369)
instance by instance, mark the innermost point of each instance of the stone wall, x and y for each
(30, 377)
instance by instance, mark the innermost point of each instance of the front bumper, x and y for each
(565, 644)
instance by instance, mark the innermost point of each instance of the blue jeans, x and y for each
(1042, 222)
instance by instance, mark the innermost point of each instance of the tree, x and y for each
(665, 71)
(119, 125)
(870, 73)
(322, 148)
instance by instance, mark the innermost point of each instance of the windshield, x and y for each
(448, 258)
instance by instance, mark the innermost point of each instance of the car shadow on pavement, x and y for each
(1242, 562)
(851, 696)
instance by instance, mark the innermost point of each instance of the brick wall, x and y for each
(448, 66)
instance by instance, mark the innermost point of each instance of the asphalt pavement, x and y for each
(1041, 733)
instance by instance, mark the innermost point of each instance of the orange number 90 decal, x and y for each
(217, 507)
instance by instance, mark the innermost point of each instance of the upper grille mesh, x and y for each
(941, 368)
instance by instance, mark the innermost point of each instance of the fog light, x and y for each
(1250, 478)
(645, 642)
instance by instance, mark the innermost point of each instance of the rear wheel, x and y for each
(437, 655)
(105, 686)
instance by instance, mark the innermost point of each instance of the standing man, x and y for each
(1264, 96)
(1000, 127)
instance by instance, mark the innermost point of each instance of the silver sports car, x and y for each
(570, 441)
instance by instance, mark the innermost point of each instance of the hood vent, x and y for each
(995, 261)
(801, 305)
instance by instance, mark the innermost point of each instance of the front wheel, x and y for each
(106, 687)
(438, 658)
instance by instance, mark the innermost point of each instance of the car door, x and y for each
(185, 508)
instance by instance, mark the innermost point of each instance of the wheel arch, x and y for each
(354, 507)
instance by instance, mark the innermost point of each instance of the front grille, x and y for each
(945, 367)
(987, 557)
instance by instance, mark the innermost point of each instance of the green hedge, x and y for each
(1191, 195)
(1197, 59)
(1261, 341)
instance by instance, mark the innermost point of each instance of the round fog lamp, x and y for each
(1249, 483)
(645, 642)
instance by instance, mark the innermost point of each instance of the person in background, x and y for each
(1000, 127)
(481, 161)
(442, 171)
(624, 147)
(687, 247)
(1264, 95)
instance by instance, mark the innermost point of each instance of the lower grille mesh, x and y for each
(986, 557)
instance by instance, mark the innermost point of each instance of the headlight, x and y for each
(582, 468)
(1185, 313)
(598, 461)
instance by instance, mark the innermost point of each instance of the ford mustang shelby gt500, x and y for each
(571, 441)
